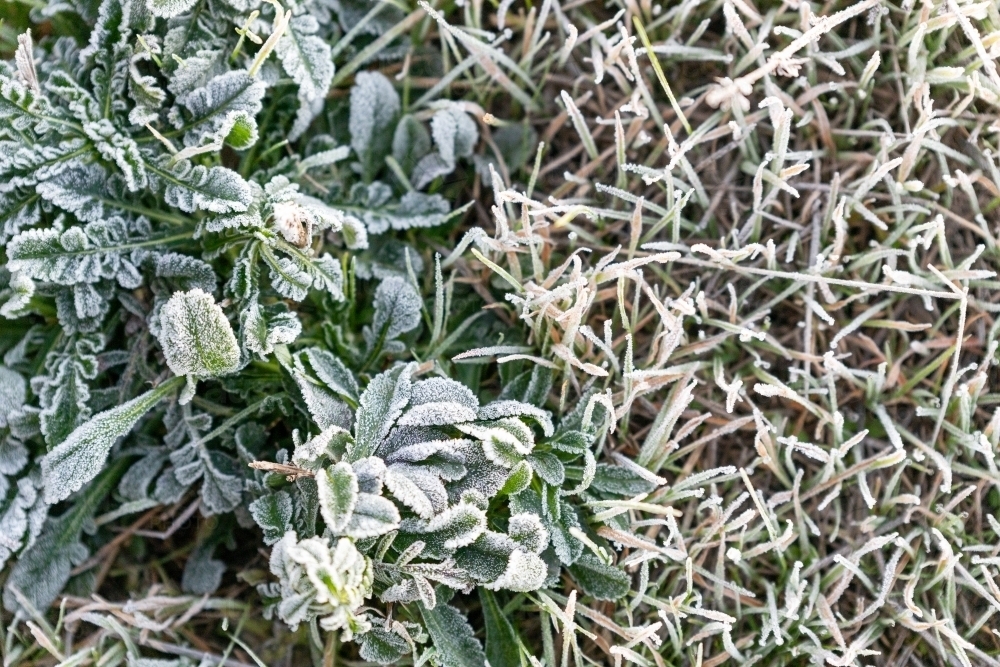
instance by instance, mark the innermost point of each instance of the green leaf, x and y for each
(382, 646)
(619, 480)
(380, 406)
(44, 568)
(373, 516)
(599, 580)
(501, 639)
(196, 337)
(548, 467)
(338, 495)
(453, 637)
(273, 513)
(374, 109)
(79, 458)
(518, 480)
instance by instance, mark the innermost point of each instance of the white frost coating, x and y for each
(317, 581)
(12, 392)
(397, 308)
(499, 409)
(196, 338)
(525, 572)
(437, 414)
(436, 390)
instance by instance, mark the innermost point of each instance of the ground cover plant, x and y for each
(519, 333)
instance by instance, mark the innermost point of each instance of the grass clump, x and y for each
(519, 333)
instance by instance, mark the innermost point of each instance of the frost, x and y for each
(381, 404)
(169, 8)
(338, 495)
(196, 337)
(81, 456)
(306, 59)
(455, 135)
(13, 390)
(195, 187)
(317, 581)
(208, 113)
(374, 108)
(397, 309)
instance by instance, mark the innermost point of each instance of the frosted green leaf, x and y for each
(382, 646)
(215, 189)
(518, 480)
(500, 409)
(407, 492)
(599, 580)
(528, 531)
(410, 142)
(273, 513)
(202, 573)
(437, 390)
(332, 372)
(501, 639)
(13, 389)
(397, 308)
(374, 108)
(212, 111)
(195, 336)
(338, 495)
(548, 467)
(453, 637)
(455, 135)
(169, 8)
(305, 57)
(454, 528)
(79, 458)
(373, 516)
(381, 404)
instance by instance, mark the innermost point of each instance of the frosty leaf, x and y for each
(44, 568)
(264, 331)
(119, 149)
(77, 255)
(437, 414)
(453, 637)
(408, 493)
(214, 189)
(330, 443)
(599, 580)
(202, 573)
(548, 467)
(373, 516)
(188, 272)
(382, 647)
(338, 495)
(374, 107)
(518, 480)
(289, 278)
(83, 189)
(525, 571)
(381, 404)
(500, 409)
(437, 390)
(18, 209)
(273, 513)
(13, 389)
(332, 372)
(169, 8)
(210, 113)
(306, 58)
(414, 210)
(455, 136)
(619, 480)
(81, 456)
(527, 530)
(410, 142)
(397, 308)
(196, 337)
(456, 527)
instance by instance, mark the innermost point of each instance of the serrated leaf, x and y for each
(598, 579)
(210, 112)
(453, 637)
(79, 458)
(196, 187)
(306, 58)
(195, 336)
(338, 495)
(518, 480)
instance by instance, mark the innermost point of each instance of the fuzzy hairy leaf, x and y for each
(196, 337)
(381, 404)
(599, 580)
(338, 495)
(79, 458)
(453, 637)
(273, 513)
(196, 187)
(374, 109)
(382, 647)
